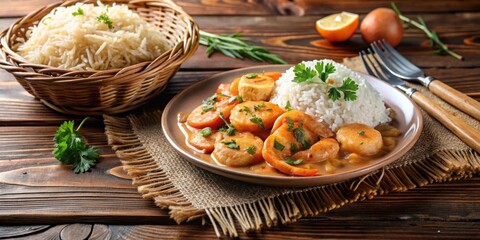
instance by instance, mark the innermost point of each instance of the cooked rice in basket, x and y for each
(88, 37)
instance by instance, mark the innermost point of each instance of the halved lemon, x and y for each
(338, 27)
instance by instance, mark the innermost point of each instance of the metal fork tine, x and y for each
(398, 61)
(365, 64)
(386, 63)
(395, 63)
(397, 55)
(386, 74)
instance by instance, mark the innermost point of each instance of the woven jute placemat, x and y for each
(188, 192)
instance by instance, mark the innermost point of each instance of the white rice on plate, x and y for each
(312, 98)
(75, 38)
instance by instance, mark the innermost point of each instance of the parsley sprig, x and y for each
(78, 12)
(304, 74)
(236, 46)
(70, 149)
(103, 18)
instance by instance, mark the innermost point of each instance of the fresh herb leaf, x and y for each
(251, 150)
(235, 98)
(69, 148)
(290, 124)
(361, 132)
(103, 18)
(205, 132)
(294, 147)
(292, 161)
(349, 89)
(299, 135)
(210, 100)
(78, 12)
(361, 143)
(230, 129)
(246, 109)
(232, 145)
(329, 69)
(251, 75)
(278, 145)
(236, 46)
(333, 94)
(258, 121)
(207, 108)
(303, 74)
(288, 107)
(259, 106)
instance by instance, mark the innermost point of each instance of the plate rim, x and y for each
(247, 177)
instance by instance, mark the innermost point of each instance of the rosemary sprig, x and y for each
(433, 36)
(236, 46)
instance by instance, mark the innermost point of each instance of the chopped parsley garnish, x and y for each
(361, 143)
(246, 109)
(259, 106)
(232, 145)
(292, 161)
(103, 18)
(230, 129)
(235, 98)
(294, 147)
(251, 150)
(361, 132)
(290, 124)
(78, 12)
(277, 145)
(299, 135)
(258, 121)
(210, 100)
(205, 132)
(207, 108)
(288, 107)
(251, 75)
(304, 74)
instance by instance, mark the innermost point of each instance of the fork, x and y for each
(399, 66)
(465, 132)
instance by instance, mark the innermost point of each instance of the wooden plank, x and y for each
(269, 7)
(304, 229)
(51, 192)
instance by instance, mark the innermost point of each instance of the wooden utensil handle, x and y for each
(456, 98)
(465, 132)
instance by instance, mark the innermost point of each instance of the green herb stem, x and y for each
(431, 35)
(236, 46)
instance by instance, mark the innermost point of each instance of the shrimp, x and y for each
(322, 150)
(307, 121)
(278, 147)
(205, 144)
(360, 138)
(209, 115)
(241, 150)
(254, 116)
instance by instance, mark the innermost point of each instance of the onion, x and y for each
(382, 23)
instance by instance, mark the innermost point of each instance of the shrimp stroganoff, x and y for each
(239, 127)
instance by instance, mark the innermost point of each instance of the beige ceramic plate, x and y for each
(409, 119)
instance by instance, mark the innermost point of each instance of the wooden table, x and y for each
(40, 199)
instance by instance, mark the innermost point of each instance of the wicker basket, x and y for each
(107, 91)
